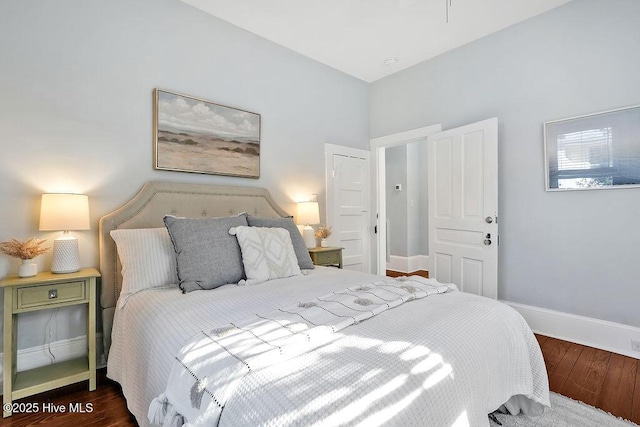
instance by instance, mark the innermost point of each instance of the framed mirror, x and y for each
(596, 151)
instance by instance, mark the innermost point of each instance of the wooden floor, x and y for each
(423, 273)
(602, 379)
(109, 407)
(605, 380)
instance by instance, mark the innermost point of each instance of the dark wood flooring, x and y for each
(423, 273)
(109, 407)
(606, 380)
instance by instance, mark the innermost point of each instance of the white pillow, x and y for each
(147, 257)
(267, 253)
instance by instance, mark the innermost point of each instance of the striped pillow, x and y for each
(147, 257)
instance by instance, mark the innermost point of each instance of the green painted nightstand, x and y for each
(41, 292)
(329, 256)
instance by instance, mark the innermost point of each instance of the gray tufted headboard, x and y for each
(147, 209)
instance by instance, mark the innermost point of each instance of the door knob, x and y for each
(487, 242)
(488, 220)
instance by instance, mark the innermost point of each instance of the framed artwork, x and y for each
(200, 136)
(596, 151)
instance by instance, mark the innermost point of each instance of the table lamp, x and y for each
(308, 213)
(64, 212)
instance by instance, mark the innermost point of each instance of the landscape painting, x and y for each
(195, 135)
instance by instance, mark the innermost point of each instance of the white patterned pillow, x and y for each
(267, 253)
(147, 257)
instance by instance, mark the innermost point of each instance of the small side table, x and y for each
(329, 256)
(41, 292)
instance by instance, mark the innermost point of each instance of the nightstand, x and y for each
(329, 256)
(42, 292)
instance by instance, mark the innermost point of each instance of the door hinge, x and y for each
(333, 173)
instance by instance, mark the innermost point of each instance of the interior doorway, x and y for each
(378, 152)
(407, 208)
(462, 197)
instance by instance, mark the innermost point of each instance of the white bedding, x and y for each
(443, 360)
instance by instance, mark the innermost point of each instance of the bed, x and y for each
(442, 358)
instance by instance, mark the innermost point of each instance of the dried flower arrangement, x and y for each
(28, 249)
(323, 232)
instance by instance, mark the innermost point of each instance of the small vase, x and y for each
(324, 243)
(28, 268)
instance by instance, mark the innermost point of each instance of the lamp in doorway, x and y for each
(64, 212)
(308, 213)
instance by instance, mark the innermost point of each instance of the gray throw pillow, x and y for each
(207, 256)
(302, 253)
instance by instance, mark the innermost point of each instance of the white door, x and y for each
(350, 209)
(463, 207)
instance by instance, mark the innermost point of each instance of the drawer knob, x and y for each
(53, 293)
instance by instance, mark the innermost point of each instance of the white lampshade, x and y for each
(308, 213)
(64, 212)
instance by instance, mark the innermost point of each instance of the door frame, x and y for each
(329, 151)
(377, 147)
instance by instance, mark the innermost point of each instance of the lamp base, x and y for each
(309, 236)
(66, 256)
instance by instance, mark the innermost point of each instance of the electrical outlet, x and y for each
(635, 345)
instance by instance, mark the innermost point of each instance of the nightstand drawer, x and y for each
(327, 256)
(36, 296)
(331, 257)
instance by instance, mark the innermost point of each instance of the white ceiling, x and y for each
(357, 36)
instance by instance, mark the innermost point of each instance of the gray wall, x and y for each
(575, 252)
(423, 176)
(76, 111)
(418, 215)
(407, 212)
(396, 173)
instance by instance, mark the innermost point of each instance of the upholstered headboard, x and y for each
(147, 209)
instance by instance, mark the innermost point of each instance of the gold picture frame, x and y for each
(199, 136)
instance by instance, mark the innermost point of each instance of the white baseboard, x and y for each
(602, 334)
(35, 357)
(408, 264)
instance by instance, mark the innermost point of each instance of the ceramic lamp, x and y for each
(64, 212)
(308, 213)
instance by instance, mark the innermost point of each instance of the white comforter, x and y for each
(445, 360)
